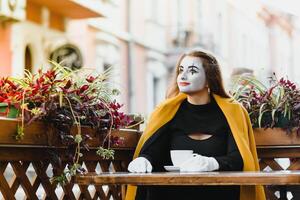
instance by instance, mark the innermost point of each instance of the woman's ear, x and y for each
(206, 84)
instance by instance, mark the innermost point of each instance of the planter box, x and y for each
(275, 137)
(42, 134)
(35, 134)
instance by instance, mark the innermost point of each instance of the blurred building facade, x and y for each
(31, 32)
(132, 39)
(142, 40)
(244, 35)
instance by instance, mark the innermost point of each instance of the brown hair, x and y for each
(212, 72)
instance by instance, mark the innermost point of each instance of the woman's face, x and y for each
(191, 75)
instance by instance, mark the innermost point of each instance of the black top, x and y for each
(189, 119)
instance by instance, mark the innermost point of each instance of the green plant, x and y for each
(66, 98)
(10, 96)
(276, 105)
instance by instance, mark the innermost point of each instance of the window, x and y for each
(28, 59)
(155, 90)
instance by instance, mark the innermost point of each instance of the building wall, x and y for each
(5, 50)
(40, 40)
(39, 29)
(239, 33)
(296, 49)
(132, 38)
(139, 38)
(248, 44)
(83, 36)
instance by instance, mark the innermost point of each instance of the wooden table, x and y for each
(279, 178)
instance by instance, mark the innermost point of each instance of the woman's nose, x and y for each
(183, 76)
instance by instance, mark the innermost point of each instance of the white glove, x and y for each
(199, 163)
(140, 165)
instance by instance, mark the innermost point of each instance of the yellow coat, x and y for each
(239, 123)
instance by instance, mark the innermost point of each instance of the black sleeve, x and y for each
(157, 149)
(233, 161)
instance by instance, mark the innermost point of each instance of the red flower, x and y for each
(90, 79)
(50, 74)
(2, 99)
(68, 85)
(83, 88)
(11, 84)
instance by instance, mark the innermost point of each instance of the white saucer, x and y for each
(172, 168)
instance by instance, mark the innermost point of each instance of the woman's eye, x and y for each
(193, 71)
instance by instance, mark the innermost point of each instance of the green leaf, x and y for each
(273, 114)
(262, 107)
(285, 109)
(20, 132)
(279, 96)
(260, 118)
(78, 138)
(106, 153)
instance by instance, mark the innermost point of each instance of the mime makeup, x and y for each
(191, 77)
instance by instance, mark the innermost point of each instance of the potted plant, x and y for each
(10, 95)
(274, 110)
(65, 108)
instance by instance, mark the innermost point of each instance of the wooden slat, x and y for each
(270, 193)
(295, 165)
(4, 187)
(31, 153)
(34, 134)
(40, 169)
(278, 135)
(262, 164)
(26, 185)
(200, 178)
(85, 194)
(272, 164)
(40, 133)
(278, 152)
(100, 192)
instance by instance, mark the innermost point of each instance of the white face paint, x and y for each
(191, 77)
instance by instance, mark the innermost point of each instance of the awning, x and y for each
(74, 9)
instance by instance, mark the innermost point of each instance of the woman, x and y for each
(198, 115)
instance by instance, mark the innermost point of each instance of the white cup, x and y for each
(179, 156)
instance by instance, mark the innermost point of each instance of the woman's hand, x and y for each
(199, 163)
(140, 165)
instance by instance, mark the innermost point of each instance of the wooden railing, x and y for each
(278, 150)
(25, 169)
(270, 160)
(27, 165)
(25, 172)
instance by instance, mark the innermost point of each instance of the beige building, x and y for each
(33, 30)
(243, 34)
(132, 39)
(142, 39)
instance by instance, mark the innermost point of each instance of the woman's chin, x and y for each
(192, 92)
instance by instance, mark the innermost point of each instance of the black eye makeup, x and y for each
(192, 69)
(180, 69)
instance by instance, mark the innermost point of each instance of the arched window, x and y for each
(28, 59)
(68, 55)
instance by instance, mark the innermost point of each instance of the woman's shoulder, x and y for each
(171, 102)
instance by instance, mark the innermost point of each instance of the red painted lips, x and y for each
(184, 83)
